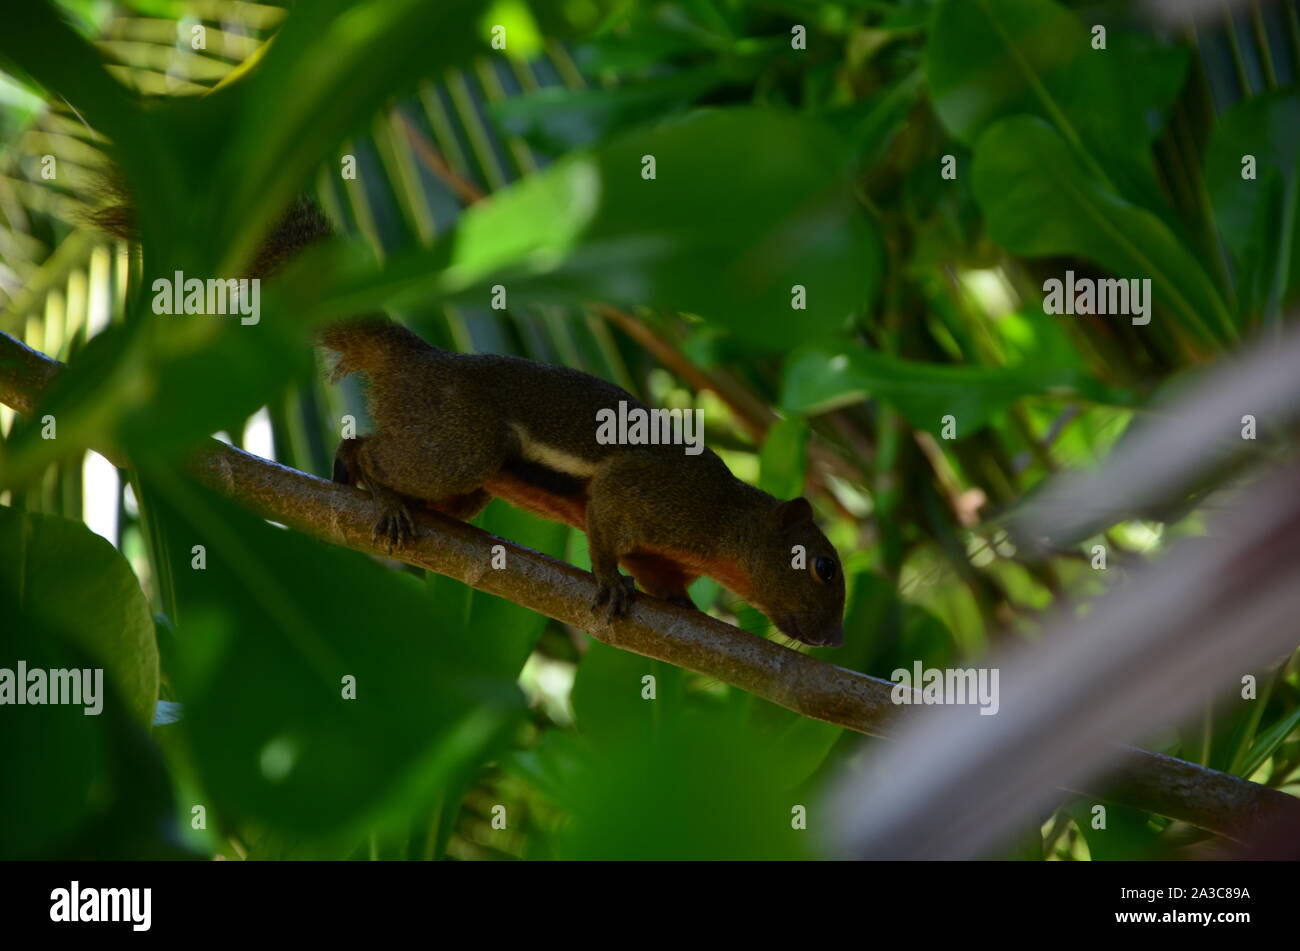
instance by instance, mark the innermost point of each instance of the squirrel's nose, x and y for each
(833, 636)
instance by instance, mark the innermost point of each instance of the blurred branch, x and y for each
(341, 515)
(1179, 449)
(752, 413)
(467, 191)
(24, 374)
(1178, 633)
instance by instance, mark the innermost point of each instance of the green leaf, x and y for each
(333, 65)
(38, 41)
(79, 585)
(556, 119)
(695, 789)
(1268, 742)
(745, 205)
(19, 107)
(784, 458)
(817, 379)
(1127, 834)
(990, 59)
(515, 629)
(78, 787)
(83, 780)
(609, 701)
(210, 371)
(1258, 217)
(1152, 74)
(1023, 167)
(269, 628)
(232, 159)
(987, 59)
(799, 743)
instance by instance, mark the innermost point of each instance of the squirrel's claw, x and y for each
(393, 528)
(617, 594)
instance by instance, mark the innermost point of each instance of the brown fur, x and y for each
(447, 424)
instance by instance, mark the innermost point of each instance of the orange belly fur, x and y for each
(557, 508)
(573, 511)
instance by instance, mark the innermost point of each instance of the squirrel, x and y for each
(452, 431)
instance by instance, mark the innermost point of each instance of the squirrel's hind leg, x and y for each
(398, 474)
(393, 525)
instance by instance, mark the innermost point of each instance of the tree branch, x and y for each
(340, 515)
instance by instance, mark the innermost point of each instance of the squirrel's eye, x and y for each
(825, 568)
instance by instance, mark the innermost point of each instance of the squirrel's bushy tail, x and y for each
(360, 342)
(302, 224)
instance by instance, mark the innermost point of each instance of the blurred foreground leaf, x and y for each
(275, 632)
(745, 205)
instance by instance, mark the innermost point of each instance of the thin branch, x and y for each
(340, 515)
(465, 190)
(752, 413)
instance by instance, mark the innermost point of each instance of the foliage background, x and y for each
(776, 166)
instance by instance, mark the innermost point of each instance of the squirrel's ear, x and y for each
(795, 512)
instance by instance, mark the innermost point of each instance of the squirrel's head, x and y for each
(801, 586)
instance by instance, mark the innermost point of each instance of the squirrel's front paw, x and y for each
(393, 527)
(617, 593)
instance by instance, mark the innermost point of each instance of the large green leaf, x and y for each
(746, 204)
(331, 68)
(674, 777)
(269, 627)
(1258, 217)
(613, 700)
(77, 785)
(513, 629)
(78, 584)
(557, 119)
(1022, 167)
(989, 59)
